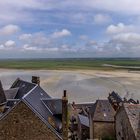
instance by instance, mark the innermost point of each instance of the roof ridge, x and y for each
(29, 91)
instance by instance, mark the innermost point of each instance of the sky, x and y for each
(69, 28)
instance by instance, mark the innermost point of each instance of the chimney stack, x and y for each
(65, 116)
(36, 80)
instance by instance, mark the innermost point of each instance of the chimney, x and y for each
(2, 98)
(91, 125)
(36, 80)
(65, 116)
(138, 129)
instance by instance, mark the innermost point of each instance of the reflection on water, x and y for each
(81, 88)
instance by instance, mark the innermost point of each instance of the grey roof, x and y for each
(81, 105)
(2, 95)
(102, 111)
(133, 113)
(24, 87)
(12, 102)
(84, 120)
(11, 93)
(33, 100)
(132, 101)
(115, 97)
(54, 105)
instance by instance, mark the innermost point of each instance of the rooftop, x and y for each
(133, 112)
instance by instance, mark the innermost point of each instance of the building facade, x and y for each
(127, 124)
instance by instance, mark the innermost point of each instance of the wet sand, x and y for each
(82, 85)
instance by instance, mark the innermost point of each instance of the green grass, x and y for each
(60, 64)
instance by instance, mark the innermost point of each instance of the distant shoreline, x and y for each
(72, 64)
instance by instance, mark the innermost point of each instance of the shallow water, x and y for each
(80, 87)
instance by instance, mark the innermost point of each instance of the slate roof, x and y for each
(11, 93)
(102, 111)
(10, 104)
(84, 120)
(133, 113)
(33, 100)
(132, 101)
(115, 97)
(54, 105)
(2, 95)
(81, 105)
(24, 87)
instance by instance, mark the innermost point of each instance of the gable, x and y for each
(103, 111)
(24, 87)
(23, 124)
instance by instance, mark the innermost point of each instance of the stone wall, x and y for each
(123, 128)
(103, 130)
(22, 124)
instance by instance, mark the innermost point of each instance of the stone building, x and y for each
(101, 120)
(95, 120)
(128, 122)
(30, 113)
(79, 120)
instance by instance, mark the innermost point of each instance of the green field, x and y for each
(60, 64)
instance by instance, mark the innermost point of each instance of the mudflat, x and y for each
(81, 85)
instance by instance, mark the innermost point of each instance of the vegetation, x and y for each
(59, 64)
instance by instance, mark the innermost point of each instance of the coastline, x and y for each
(82, 85)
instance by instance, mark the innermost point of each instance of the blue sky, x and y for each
(69, 28)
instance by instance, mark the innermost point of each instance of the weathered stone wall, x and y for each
(22, 124)
(123, 128)
(103, 130)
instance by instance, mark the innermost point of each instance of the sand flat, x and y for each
(82, 85)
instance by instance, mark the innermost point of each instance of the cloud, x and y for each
(120, 28)
(10, 43)
(2, 47)
(101, 19)
(9, 29)
(27, 47)
(25, 37)
(131, 39)
(62, 33)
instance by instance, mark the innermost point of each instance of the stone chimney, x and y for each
(91, 125)
(65, 116)
(2, 98)
(36, 80)
(138, 130)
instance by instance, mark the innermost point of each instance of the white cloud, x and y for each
(2, 47)
(27, 47)
(25, 37)
(130, 39)
(120, 28)
(10, 43)
(9, 29)
(101, 19)
(62, 33)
